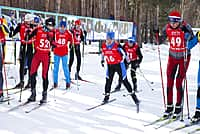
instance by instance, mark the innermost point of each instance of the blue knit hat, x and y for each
(63, 23)
(131, 39)
(110, 35)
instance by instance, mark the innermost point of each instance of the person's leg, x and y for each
(34, 67)
(21, 66)
(29, 55)
(71, 57)
(121, 70)
(183, 66)
(66, 70)
(171, 71)
(78, 56)
(56, 69)
(45, 68)
(1, 74)
(109, 78)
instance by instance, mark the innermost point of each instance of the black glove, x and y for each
(10, 34)
(137, 65)
(11, 28)
(28, 31)
(102, 63)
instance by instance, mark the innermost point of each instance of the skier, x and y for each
(3, 31)
(44, 38)
(62, 36)
(75, 46)
(134, 53)
(194, 41)
(176, 31)
(114, 56)
(26, 48)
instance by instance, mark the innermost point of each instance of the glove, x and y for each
(11, 29)
(137, 65)
(198, 35)
(28, 31)
(102, 63)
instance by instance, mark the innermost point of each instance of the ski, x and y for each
(12, 88)
(24, 89)
(18, 106)
(185, 126)
(52, 88)
(66, 90)
(125, 95)
(157, 121)
(85, 81)
(6, 100)
(35, 108)
(101, 104)
(115, 91)
(171, 120)
(74, 83)
(194, 131)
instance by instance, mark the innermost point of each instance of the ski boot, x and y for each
(77, 76)
(177, 112)
(32, 98)
(1, 98)
(135, 88)
(44, 97)
(20, 85)
(106, 98)
(67, 85)
(135, 99)
(55, 85)
(196, 117)
(168, 112)
(28, 85)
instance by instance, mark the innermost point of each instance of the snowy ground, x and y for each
(67, 114)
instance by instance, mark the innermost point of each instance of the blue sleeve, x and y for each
(192, 43)
(122, 52)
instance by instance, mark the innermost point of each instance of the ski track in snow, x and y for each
(67, 114)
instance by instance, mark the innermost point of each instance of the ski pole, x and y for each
(185, 81)
(161, 74)
(83, 49)
(147, 81)
(142, 74)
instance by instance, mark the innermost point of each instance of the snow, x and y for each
(66, 113)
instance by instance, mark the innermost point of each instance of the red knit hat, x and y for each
(174, 16)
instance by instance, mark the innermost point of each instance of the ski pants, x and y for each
(1, 68)
(38, 58)
(75, 48)
(198, 90)
(173, 66)
(121, 70)
(64, 65)
(133, 73)
(26, 51)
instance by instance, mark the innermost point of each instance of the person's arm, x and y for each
(163, 36)
(32, 34)
(16, 30)
(139, 54)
